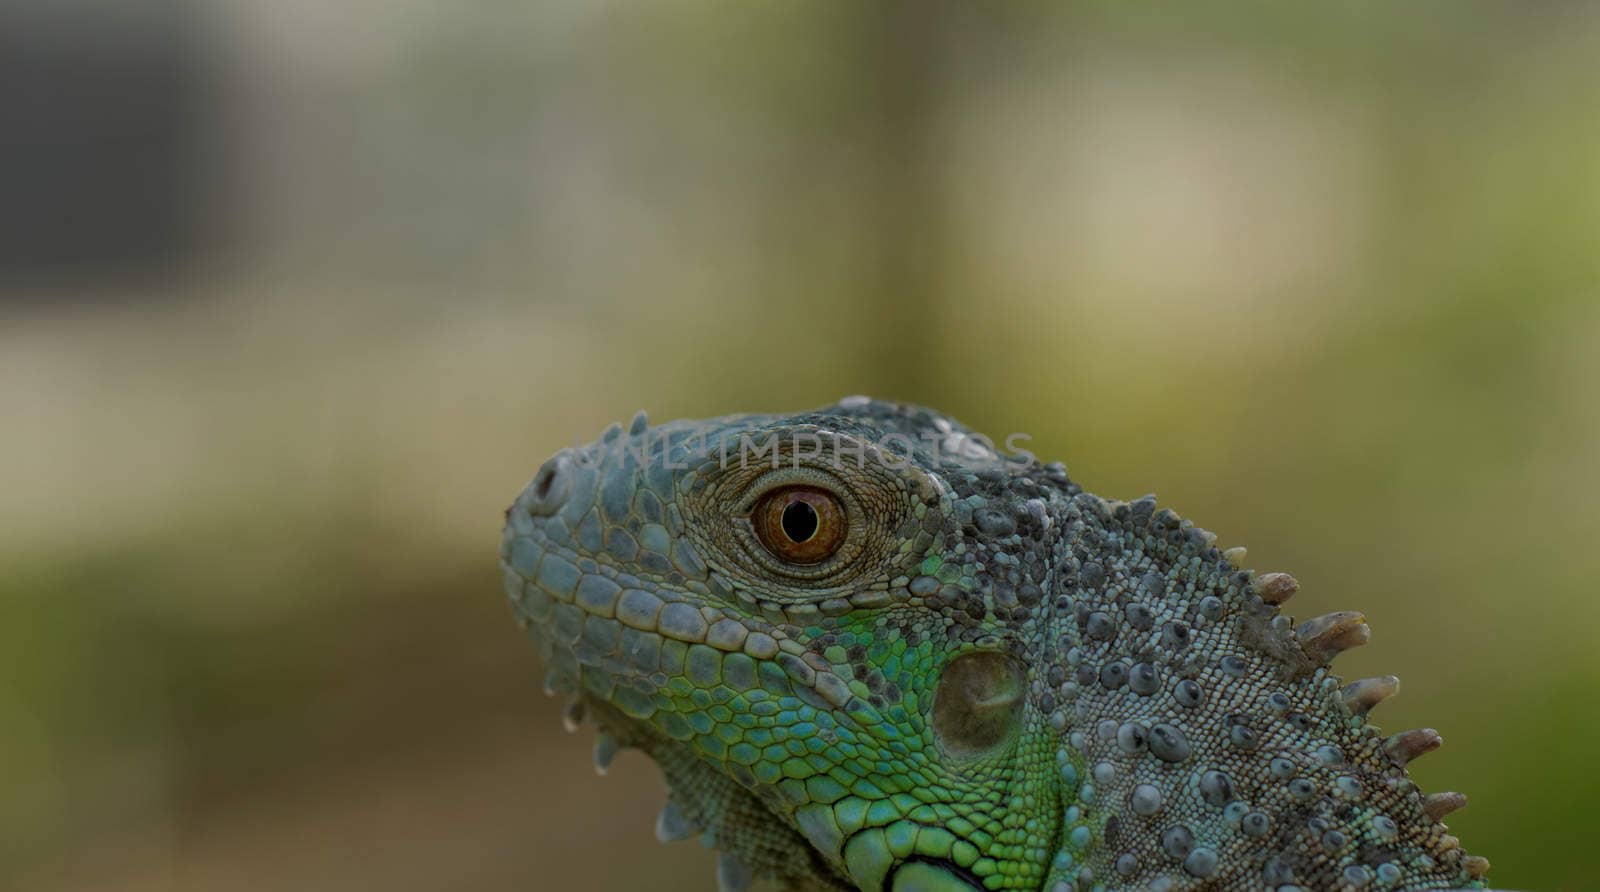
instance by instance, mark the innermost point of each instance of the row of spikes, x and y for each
(672, 825)
(1325, 637)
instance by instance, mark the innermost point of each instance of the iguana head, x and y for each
(871, 650)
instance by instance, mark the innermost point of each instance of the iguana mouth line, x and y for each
(951, 877)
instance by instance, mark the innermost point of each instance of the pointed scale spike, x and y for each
(732, 874)
(1360, 696)
(1437, 805)
(1407, 745)
(1476, 865)
(1275, 588)
(556, 683)
(671, 825)
(1331, 634)
(572, 716)
(1235, 556)
(641, 423)
(605, 752)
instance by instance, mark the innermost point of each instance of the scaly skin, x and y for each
(999, 681)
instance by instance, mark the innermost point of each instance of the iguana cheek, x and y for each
(977, 707)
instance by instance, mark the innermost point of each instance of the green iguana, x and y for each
(870, 650)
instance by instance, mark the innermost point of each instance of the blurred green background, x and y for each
(294, 297)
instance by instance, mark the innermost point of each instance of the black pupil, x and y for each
(799, 521)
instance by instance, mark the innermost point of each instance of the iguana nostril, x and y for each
(977, 707)
(550, 486)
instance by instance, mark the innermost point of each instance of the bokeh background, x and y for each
(295, 296)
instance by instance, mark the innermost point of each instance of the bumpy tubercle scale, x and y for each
(999, 682)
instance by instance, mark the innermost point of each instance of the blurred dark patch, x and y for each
(105, 168)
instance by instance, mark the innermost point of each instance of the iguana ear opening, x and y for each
(977, 708)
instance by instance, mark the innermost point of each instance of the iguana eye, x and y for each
(800, 524)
